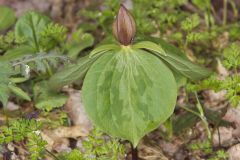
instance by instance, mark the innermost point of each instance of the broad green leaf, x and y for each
(129, 93)
(178, 62)
(19, 92)
(45, 99)
(7, 17)
(180, 80)
(30, 26)
(71, 73)
(17, 52)
(150, 46)
(104, 48)
(186, 67)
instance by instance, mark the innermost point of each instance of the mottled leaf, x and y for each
(129, 93)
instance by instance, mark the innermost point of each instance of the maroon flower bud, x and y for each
(124, 27)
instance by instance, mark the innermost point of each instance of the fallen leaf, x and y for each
(225, 135)
(76, 110)
(12, 106)
(62, 145)
(234, 152)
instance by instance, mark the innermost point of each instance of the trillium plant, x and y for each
(130, 87)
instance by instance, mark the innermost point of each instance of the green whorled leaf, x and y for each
(180, 80)
(19, 92)
(178, 62)
(17, 52)
(150, 46)
(129, 93)
(72, 72)
(30, 26)
(104, 48)
(45, 99)
(7, 17)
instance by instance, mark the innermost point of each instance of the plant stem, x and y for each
(225, 3)
(134, 153)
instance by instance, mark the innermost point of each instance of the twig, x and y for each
(53, 155)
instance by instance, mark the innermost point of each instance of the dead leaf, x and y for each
(222, 71)
(67, 132)
(55, 136)
(214, 100)
(12, 106)
(61, 145)
(225, 135)
(76, 110)
(233, 116)
(234, 152)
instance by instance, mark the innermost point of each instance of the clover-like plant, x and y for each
(130, 88)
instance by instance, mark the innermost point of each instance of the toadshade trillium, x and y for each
(129, 89)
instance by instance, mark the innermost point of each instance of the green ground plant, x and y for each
(119, 94)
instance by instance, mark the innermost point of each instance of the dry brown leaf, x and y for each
(76, 110)
(221, 70)
(234, 152)
(214, 100)
(67, 132)
(225, 135)
(12, 106)
(61, 145)
(233, 116)
(151, 153)
(55, 136)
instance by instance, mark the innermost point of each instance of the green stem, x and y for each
(235, 9)
(225, 3)
(134, 152)
(201, 116)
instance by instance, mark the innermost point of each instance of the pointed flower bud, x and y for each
(124, 27)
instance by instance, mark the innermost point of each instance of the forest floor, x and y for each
(189, 138)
